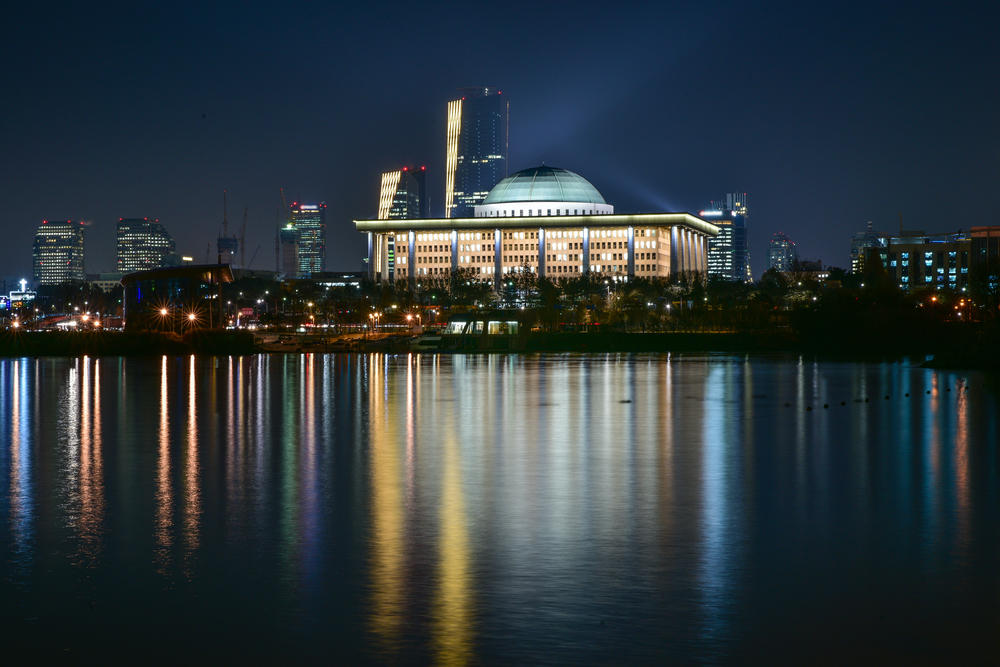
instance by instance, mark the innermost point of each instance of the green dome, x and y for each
(544, 184)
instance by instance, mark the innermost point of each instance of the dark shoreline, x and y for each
(971, 349)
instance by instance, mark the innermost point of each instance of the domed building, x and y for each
(572, 231)
(543, 191)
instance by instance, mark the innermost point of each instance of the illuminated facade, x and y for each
(476, 149)
(57, 253)
(142, 244)
(560, 227)
(403, 195)
(781, 252)
(728, 253)
(309, 220)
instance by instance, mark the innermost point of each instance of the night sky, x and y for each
(828, 116)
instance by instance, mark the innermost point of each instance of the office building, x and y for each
(57, 253)
(728, 253)
(935, 261)
(142, 244)
(781, 254)
(549, 221)
(309, 220)
(403, 194)
(476, 149)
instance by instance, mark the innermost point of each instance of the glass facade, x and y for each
(476, 151)
(310, 222)
(781, 252)
(57, 253)
(728, 253)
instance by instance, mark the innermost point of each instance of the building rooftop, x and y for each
(547, 184)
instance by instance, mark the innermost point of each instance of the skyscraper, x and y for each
(728, 253)
(476, 149)
(142, 244)
(58, 252)
(309, 220)
(781, 252)
(290, 251)
(403, 195)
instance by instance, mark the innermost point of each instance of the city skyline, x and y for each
(841, 120)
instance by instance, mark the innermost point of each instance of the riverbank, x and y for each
(119, 343)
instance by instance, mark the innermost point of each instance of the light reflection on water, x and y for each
(601, 508)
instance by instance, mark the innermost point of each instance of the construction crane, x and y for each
(288, 221)
(243, 240)
(288, 217)
(277, 228)
(227, 245)
(254, 256)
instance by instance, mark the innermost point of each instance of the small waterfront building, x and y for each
(175, 298)
(549, 221)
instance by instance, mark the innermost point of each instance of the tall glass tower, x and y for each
(728, 253)
(476, 151)
(58, 252)
(309, 220)
(142, 244)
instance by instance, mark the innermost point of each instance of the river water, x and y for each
(559, 509)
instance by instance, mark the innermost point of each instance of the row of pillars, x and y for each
(688, 251)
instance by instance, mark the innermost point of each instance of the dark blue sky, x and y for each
(828, 116)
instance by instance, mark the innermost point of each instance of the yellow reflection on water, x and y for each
(91, 470)
(164, 494)
(192, 489)
(387, 514)
(452, 610)
(963, 503)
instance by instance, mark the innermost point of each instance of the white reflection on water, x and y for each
(16, 403)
